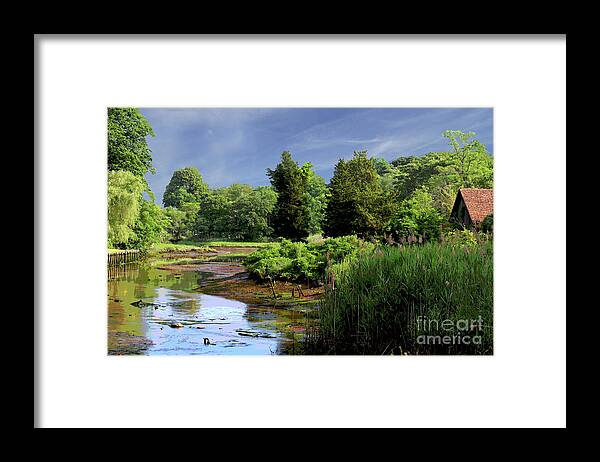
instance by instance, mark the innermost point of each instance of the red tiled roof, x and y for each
(479, 202)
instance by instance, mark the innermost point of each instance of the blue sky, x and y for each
(237, 145)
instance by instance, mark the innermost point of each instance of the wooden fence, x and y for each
(124, 257)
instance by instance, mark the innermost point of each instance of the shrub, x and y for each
(339, 248)
(267, 262)
(461, 237)
(299, 261)
(315, 239)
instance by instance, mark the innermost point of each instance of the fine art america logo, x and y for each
(448, 331)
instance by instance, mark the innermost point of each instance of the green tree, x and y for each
(150, 226)
(357, 204)
(124, 202)
(291, 217)
(417, 216)
(133, 222)
(186, 185)
(237, 212)
(382, 166)
(250, 213)
(127, 146)
(467, 164)
(182, 220)
(236, 190)
(412, 172)
(317, 195)
(470, 161)
(177, 228)
(387, 174)
(213, 218)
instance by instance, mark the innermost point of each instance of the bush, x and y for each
(341, 247)
(461, 237)
(299, 261)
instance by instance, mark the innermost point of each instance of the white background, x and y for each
(523, 384)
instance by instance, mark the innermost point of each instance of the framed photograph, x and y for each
(341, 221)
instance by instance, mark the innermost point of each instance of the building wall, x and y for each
(461, 217)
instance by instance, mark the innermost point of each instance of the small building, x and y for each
(471, 206)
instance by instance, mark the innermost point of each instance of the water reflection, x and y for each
(160, 312)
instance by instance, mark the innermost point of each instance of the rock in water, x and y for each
(176, 325)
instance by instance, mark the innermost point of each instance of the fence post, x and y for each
(123, 257)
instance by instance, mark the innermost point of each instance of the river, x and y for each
(162, 308)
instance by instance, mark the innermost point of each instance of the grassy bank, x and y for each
(235, 244)
(410, 300)
(185, 246)
(179, 247)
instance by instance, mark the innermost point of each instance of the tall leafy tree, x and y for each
(317, 195)
(124, 203)
(182, 220)
(387, 174)
(236, 212)
(340, 211)
(213, 218)
(150, 226)
(236, 190)
(291, 217)
(382, 166)
(467, 164)
(177, 227)
(358, 204)
(127, 146)
(133, 221)
(249, 219)
(416, 216)
(186, 185)
(469, 160)
(412, 172)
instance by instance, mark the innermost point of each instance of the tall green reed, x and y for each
(390, 300)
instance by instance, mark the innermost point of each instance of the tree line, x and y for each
(368, 197)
